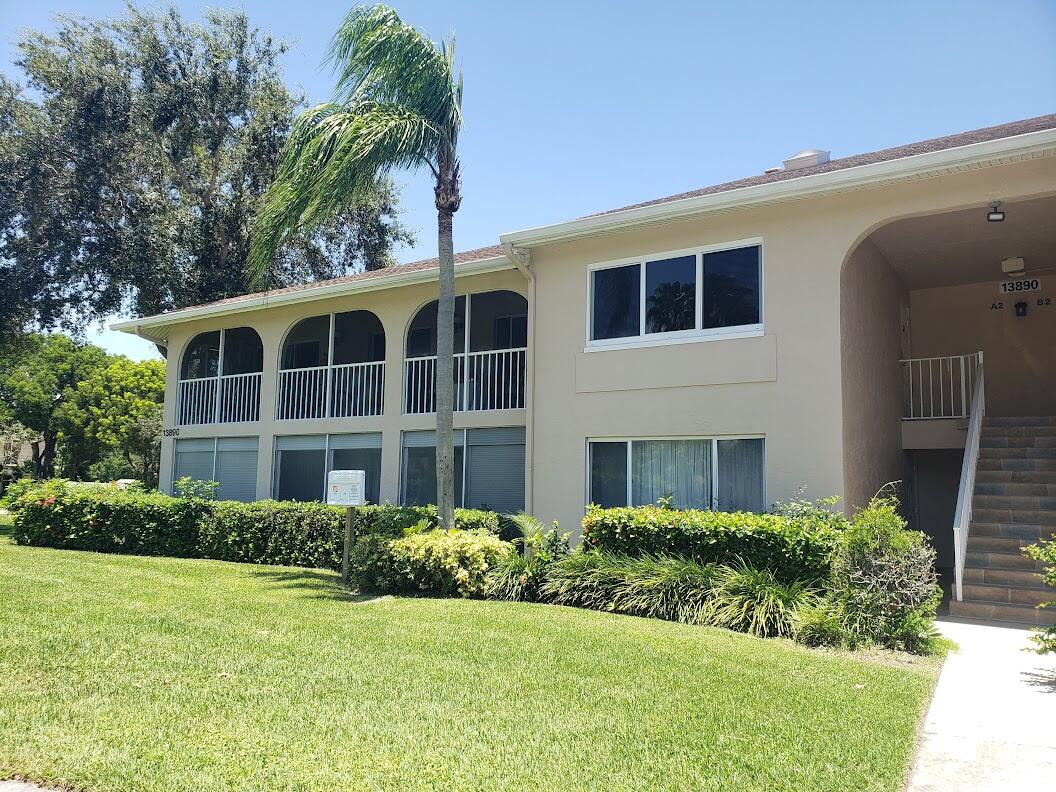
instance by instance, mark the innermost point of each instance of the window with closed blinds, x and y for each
(495, 469)
(236, 468)
(489, 468)
(194, 459)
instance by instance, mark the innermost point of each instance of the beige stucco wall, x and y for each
(787, 385)
(1019, 353)
(872, 306)
(395, 308)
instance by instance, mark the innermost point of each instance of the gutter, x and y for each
(155, 328)
(522, 260)
(974, 155)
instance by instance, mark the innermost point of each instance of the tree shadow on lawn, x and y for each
(315, 584)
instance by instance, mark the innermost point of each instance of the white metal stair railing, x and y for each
(962, 519)
(232, 398)
(938, 387)
(491, 380)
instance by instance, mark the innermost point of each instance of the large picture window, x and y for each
(680, 295)
(302, 463)
(725, 474)
(489, 469)
(229, 461)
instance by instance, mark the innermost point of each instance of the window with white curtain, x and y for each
(726, 474)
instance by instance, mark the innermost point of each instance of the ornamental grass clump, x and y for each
(669, 587)
(519, 576)
(755, 601)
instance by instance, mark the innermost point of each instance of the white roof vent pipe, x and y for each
(806, 158)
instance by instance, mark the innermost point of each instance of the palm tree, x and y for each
(397, 104)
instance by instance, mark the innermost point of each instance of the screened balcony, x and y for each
(491, 344)
(220, 378)
(333, 366)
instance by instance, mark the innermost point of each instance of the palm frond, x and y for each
(333, 158)
(377, 56)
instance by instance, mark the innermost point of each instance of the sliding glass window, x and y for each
(726, 474)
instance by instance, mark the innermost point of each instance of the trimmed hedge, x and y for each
(108, 520)
(792, 549)
(446, 563)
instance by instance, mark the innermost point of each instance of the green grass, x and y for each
(122, 673)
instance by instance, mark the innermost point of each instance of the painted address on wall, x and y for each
(1016, 286)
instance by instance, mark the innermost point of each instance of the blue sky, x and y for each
(573, 108)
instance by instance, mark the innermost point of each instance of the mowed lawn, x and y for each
(123, 673)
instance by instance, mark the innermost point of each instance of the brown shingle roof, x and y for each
(899, 152)
(465, 257)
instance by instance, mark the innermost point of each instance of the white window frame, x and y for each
(698, 333)
(714, 439)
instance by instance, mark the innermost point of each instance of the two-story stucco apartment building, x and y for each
(824, 324)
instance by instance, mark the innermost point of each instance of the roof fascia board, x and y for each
(914, 166)
(164, 321)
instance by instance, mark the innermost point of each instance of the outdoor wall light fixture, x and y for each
(995, 215)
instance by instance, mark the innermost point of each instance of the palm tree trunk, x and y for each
(445, 385)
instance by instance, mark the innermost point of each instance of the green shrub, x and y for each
(671, 588)
(823, 622)
(823, 511)
(1045, 551)
(519, 576)
(15, 490)
(105, 519)
(755, 601)
(883, 583)
(792, 549)
(187, 487)
(446, 563)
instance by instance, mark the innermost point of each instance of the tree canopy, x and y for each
(133, 162)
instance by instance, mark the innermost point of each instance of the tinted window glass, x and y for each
(608, 474)
(302, 475)
(202, 356)
(308, 344)
(617, 302)
(421, 335)
(419, 475)
(741, 475)
(243, 351)
(366, 459)
(671, 295)
(731, 287)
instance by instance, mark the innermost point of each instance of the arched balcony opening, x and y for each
(491, 345)
(333, 366)
(220, 378)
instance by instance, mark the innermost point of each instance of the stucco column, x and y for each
(395, 323)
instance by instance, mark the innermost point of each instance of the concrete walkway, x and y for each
(992, 723)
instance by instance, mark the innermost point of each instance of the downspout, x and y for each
(522, 260)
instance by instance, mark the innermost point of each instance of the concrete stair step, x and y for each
(1033, 452)
(996, 544)
(1016, 502)
(997, 559)
(1025, 441)
(1019, 431)
(1020, 420)
(982, 512)
(1024, 614)
(1022, 465)
(1015, 489)
(1007, 595)
(1015, 476)
(1025, 531)
(1019, 578)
